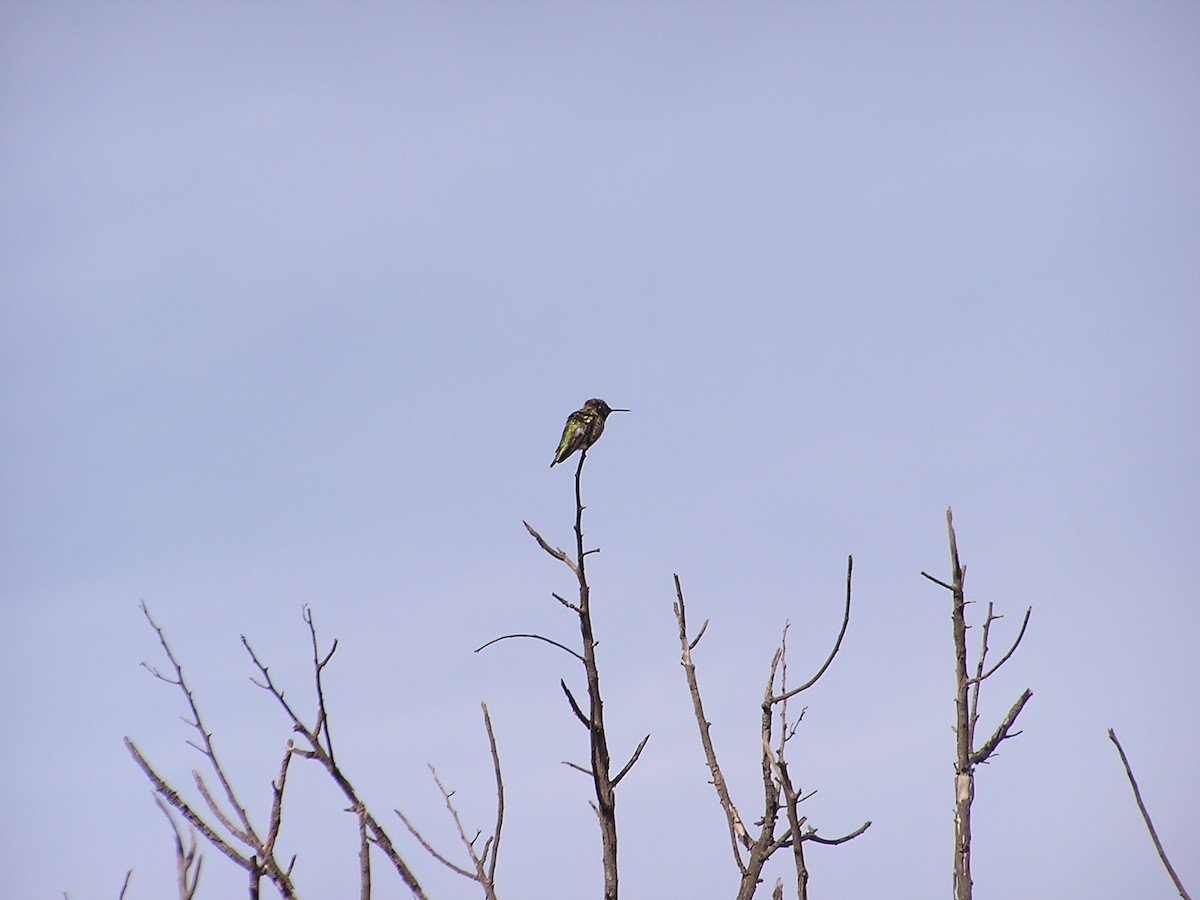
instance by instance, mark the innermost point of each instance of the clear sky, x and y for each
(296, 297)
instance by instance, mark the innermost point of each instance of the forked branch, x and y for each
(483, 862)
(320, 748)
(781, 796)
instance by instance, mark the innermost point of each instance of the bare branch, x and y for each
(536, 637)
(480, 875)
(1002, 732)
(277, 788)
(207, 747)
(948, 587)
(833, 842)
(574, 704)
(317, 750)
(1137, 795)
(319, 664)
(169, 794)
(567, 603)
(629, 765)
(738, 836)
(124, 885)
(560, 555)
(429, 848)
(216, 810)
(483, 865)
(796, 823)
(837, 645)
(495, 843)
(186, 880)
(1011, 650)
(364, 854)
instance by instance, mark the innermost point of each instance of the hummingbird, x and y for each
(583, 428)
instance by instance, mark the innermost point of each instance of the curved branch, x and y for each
(837, 645)
(536, 637)
(832, 842)
(1011, 650)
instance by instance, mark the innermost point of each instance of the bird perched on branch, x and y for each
(583, 428)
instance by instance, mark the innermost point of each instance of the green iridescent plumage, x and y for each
(583, 428)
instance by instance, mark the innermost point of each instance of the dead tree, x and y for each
(600, 770)
(238, 838)
(234, 834)
(781, 796)
(1137, 795)
(966, 705)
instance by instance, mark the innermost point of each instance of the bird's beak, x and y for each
(620, 410)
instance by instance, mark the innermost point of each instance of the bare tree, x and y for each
(320, 748)
(236, 829)
(1137, 795)
(600, 769)
(260, 859)
(781, 796)
(967, 686)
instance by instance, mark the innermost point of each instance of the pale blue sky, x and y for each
(295, 298)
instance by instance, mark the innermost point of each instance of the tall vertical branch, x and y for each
(600, 770)
(606, 798)
(966, 706)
